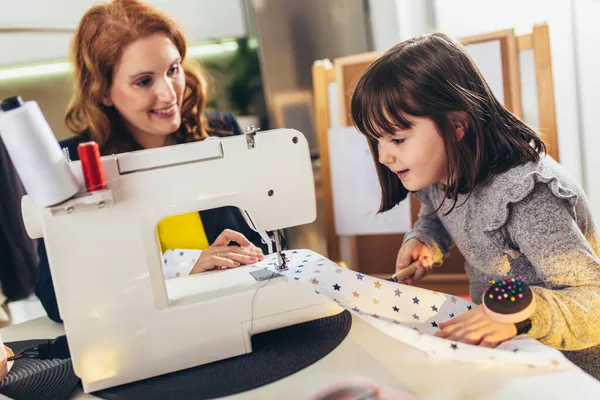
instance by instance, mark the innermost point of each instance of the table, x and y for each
(369, 352)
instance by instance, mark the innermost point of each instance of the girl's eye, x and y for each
(143, 82)
(397, 140)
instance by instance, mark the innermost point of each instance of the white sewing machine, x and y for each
(123, 321)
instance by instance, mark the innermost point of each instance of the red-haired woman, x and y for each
(135, 89)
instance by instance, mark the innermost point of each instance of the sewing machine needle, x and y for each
(281, 264)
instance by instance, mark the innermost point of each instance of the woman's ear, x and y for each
(106, 100)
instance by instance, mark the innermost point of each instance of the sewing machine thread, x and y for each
(36, 155)
(93, 173)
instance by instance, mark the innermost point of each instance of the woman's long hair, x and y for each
(103, 32)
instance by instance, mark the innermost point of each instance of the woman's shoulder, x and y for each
(72, 143)
(221, 124)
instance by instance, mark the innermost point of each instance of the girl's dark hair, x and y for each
(433, 76)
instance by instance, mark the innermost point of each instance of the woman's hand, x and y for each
(476, 327)
(221, 255)
(415, 250)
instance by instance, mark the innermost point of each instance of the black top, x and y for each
(214, 220)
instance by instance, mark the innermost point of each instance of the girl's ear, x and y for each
(460, 132)
(460, 122)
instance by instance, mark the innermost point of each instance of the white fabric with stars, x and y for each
(407, 313)
(179, 262)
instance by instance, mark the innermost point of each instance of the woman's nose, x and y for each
(165, 91)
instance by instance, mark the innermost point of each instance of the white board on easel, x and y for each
(488, 57)
(355, 187)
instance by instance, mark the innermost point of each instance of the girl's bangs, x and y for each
(379, 105)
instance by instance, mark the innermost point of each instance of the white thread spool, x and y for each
(35, 153)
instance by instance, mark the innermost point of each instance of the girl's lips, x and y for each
(402, 174)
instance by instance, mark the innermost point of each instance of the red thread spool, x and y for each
(93, 173)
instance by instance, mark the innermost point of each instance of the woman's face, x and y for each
(147, 89)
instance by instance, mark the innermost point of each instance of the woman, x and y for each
(134, 89)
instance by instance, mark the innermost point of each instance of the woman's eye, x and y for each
(143, 82)
(174, 69)
(397, 140)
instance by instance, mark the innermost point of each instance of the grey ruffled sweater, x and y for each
(532, 221)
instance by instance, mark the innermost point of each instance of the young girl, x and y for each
(486, 186)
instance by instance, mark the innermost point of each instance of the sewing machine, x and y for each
(123, 321)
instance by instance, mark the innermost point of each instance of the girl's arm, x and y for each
(568, 306)
(430, 230)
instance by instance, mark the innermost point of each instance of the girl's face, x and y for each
(147, 89)
(416, 155)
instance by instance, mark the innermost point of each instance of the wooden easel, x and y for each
(371, 253)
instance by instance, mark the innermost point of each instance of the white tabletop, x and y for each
(371, 353)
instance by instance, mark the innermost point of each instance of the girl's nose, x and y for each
(386, 158)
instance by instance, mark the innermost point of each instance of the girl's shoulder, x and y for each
(510, 188)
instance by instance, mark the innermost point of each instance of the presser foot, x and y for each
(281, 262)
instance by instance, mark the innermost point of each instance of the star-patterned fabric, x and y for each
(408, 313)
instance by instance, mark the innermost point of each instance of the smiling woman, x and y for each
(147, 90)
(134, 90)
(134, 86)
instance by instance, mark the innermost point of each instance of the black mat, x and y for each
(31, 379)
(275, 355)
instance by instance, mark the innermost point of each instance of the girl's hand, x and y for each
(476, 327)
(411, 251)
(221, 255)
